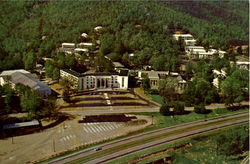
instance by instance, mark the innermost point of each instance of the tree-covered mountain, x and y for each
(142, 27)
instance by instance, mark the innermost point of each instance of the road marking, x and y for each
(97, 130)
(89, 129)
(111, 126)
(116, 125)
(108, 126)
(92, 129)
(105, 128)
(86, 130)
(98, 127)
(102, 128)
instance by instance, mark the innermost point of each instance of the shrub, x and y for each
(200, 108)
(153, 91)
(179, 107)
(164, 110)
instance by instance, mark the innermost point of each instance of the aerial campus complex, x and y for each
(138, 82)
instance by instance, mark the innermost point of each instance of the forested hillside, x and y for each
(37, 28)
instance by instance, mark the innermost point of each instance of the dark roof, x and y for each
(28, 80)
(21, 124)
(99, 74)
(72, 72)
(77, 74)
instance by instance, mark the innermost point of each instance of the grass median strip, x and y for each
(149, 139)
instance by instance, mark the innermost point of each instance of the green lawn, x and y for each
(156, 98)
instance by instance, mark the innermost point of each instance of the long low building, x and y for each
(97, 80)
(31, 82)
(199, 52)
(24, 77)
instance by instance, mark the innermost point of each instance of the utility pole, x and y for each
(152, 123)
(54, 146)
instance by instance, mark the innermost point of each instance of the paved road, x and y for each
(110, 110)
(146, 135)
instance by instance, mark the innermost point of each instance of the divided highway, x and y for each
(238, 119)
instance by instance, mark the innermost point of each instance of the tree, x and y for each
(56, 74)
(167, 89)
(30, 60)
(200, 91)
(30, 101)
(235, 88)
(164, 110)
(200, 108)
(146, 84)
(125, 59)
(107, 43)
(8, 100)
(49, 68)
(70, 61)
(61, 60)
(179, 107)
(233, 142)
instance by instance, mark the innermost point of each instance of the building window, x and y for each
(122, 82)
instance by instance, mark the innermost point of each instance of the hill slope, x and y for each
(24, 23)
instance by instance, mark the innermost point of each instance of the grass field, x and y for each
(156, 98)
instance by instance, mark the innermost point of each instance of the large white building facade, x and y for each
(90, 81)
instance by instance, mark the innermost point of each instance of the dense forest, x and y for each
(30, 30)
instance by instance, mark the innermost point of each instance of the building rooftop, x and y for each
(97, 28)
(68, 44)
(28, 80)
(81, 50)
(118, 65)
(153, 75)
(72, 72)
(84, 35)
(85, 44)
(92, 73)
(10, 72)
(183, 35)
(21, 124)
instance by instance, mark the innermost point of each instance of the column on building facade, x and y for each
(104, 83)
(95, 82)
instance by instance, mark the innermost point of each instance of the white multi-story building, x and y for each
(68, 45)
(90, 81)
(199, 52)
(183, 36)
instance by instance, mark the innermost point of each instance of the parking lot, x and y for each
(65, 136)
